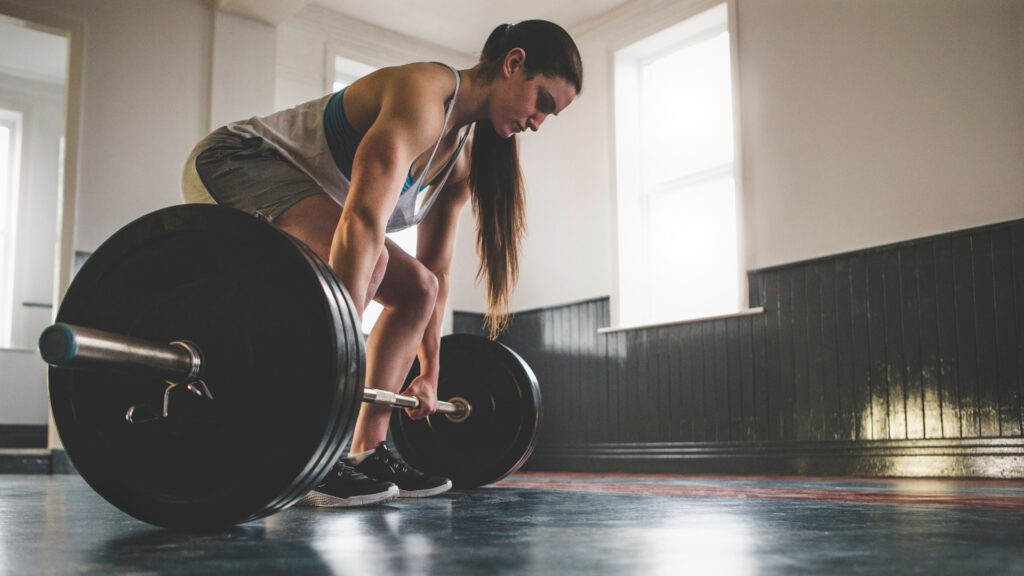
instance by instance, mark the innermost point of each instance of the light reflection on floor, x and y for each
(56, 524)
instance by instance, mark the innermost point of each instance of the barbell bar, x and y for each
(179, 362)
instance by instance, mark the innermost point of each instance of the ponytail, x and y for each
(496, 180)
(499, 202)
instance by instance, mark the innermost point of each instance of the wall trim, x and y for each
(738, 314)
(480, 315)
(891, 246)
(35, 461)
(24, 461)
(974, 458)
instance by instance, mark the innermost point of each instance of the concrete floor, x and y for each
(549, 524)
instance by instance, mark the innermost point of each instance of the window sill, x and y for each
(747, 312)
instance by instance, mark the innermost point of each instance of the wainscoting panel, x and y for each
(906, 359)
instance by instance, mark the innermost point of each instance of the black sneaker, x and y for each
(384, 465)
(344, 486)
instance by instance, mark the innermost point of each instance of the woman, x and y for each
(341, 171)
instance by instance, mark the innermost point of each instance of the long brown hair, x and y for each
(499, 199)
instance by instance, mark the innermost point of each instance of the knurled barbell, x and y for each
(207, 369)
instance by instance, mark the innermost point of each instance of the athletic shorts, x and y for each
(245, 173)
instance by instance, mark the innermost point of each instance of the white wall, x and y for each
(242, 79)
(308, 42)
(870, 121)
(568, 252)
(863, 122)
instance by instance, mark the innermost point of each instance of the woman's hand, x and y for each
(425, 389)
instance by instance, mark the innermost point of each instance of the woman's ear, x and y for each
(513, 61)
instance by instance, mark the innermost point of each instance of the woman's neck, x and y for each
(472, 100)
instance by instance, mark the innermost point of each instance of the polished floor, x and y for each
(550, 524)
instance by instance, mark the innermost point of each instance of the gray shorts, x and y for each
(245, 173)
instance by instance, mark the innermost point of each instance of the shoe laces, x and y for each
(391, 459)
(342, 468)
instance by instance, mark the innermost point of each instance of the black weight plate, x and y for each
(355, 356)
(497, 437)
(280, 359)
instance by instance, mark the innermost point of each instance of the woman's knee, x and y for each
(419, 292)
(426, 286)
(414, 291)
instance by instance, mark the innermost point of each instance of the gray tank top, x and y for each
(298, 135)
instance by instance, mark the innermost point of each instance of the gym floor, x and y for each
(539, 523)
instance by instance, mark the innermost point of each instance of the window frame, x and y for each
(14, 120)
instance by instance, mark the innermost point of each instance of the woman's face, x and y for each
(523, 103)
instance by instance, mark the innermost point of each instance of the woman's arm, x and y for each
(410, 118)
(435, 245)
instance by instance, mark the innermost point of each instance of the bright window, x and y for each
(676, 188)
(348, 71)
(10, 135)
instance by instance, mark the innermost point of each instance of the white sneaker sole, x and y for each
(322, 500)
(425, 492)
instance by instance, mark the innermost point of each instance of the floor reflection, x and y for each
(57, 525)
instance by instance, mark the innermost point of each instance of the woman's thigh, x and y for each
(313, 220)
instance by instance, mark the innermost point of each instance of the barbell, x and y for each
(206, 369)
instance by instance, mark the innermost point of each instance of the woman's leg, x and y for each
(405, 288)
(407, 291)
(312, 220)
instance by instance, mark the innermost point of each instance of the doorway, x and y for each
(35, 76)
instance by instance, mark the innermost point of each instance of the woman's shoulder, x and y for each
(414, 92)
(421, 80)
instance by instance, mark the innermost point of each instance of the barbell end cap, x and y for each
(57, 344)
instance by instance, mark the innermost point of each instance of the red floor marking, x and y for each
(1001, 502)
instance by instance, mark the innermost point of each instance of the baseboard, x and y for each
(35, 461)
(968, 458)
(22, 435)
(24, 461)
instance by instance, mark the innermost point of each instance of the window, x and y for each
(347, 71)
(10, 154)
(675, 176)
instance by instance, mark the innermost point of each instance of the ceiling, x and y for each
(464, 24)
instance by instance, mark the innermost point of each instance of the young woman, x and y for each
(390, 151)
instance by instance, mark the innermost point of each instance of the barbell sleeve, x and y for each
(80, 347)
(72, 346)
